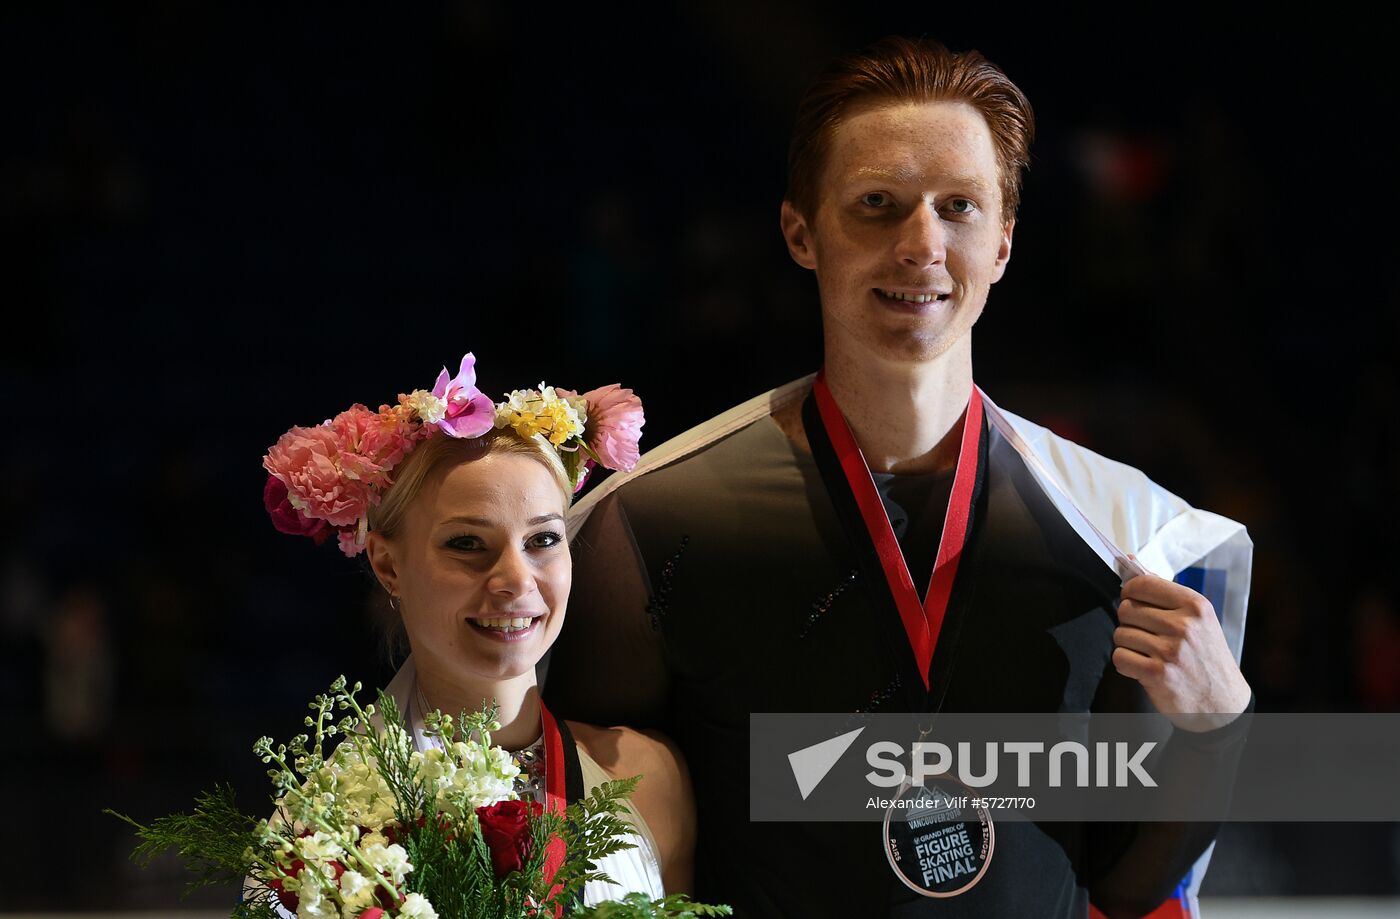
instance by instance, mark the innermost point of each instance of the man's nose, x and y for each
(511, 575)
(921, 240)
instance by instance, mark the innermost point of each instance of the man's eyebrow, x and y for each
(976, 183)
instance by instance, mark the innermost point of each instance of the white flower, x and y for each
(319, 847)
(474, 776)
(311, 905)
(391, 860)
(580, 406)
(357, 892)
(321, 909)
(356, 788)
(520, 400)
(352, 882)
(437, 767)
(429, 407)
(416, 906)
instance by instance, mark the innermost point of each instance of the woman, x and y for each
(460, 505)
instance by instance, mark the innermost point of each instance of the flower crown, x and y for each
(326, 478)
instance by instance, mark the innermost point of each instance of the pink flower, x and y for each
(308, 462)
(286, 518)
(615, 426)
(371, 444)
(470, 413)
(349, 541)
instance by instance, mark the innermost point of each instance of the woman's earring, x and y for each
(393, 602)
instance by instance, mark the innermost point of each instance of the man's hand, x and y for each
(1169, 640)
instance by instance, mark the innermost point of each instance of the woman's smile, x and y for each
(509, 626)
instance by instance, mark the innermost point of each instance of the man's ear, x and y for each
(1004, 250)
(798, 236)
(381, 560)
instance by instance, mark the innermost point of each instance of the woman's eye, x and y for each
(464, 543)
(544, 540)
(875, 199)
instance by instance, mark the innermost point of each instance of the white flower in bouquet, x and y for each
(362, 792)
(357, 893)
(478, 776)
(436, 767)
(390, 860)
(339, 845)
(373, 837)
(463, 775)
(312, 905)
(319, 849)
(416, 906)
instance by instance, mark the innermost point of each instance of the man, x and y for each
(757, 564)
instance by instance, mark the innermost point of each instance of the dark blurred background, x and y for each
(220, 220)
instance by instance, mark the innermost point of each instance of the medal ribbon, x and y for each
(555, 789)
(922, 621)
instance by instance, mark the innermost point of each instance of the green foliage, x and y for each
(395, 760)
(573, 463)
(216, 840)
(640, 906)
(594, 828)
(455, 874)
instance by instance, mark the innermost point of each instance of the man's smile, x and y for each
(911, 296)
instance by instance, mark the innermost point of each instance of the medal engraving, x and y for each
(938, 844)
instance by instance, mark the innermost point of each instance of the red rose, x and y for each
(505, 826)
(287, 519)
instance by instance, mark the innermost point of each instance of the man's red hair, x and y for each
(896, 70)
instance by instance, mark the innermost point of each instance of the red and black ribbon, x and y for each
(852, 488)
(563, 782)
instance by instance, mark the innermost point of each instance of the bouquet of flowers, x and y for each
(375, 829)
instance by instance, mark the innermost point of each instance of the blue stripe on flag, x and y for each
(1208, 582)
(1183, 890)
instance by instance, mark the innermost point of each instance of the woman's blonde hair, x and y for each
(440, 451)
